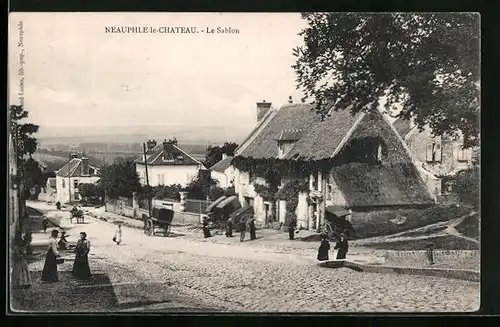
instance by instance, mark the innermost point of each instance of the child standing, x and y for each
(118, 235)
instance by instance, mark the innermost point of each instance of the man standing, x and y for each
(291, 228)
(252, 228)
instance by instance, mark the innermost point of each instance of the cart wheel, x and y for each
(328, 230)
(167, 229)
(149, 229)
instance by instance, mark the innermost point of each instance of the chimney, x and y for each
(85, 166)
(150, 145)
(262, 108)
(73, 155)
(169, 150)
(290, 99)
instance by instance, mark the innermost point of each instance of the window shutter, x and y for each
(438, 153)
(429, 152)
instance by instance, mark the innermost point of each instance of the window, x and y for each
(162, 179)
(379, 153)
(75, 184)
(433, 153)
(63, 183)
(463, 154)
(329, 191)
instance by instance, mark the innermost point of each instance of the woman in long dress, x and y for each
(342, 246)
(21, 277)
(323, 249)
(118, 235)
(81, 269)
(49, 273)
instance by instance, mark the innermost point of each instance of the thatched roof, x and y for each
(364, 184)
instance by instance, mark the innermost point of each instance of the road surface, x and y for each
(243, 278)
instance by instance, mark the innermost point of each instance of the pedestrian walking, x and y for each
(324, 248)
(252, 229)
(206, 229)
(58, 205)
(118, 235)
(63, 242)
(49, 273)
(292, 225)
(81, 268)
(242, 226)
(21, 277)
(45, 224)
(229, 228)
(342, 246)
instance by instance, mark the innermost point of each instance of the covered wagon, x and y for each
(160, 221)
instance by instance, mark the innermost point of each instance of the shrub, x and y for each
(469, 227)
(466, 186)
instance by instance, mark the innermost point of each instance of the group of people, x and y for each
(342, 246)
(242, 226)
(81, 268)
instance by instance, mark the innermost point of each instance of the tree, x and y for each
(200, 188)
(90, 192)
(24, 143)
(426, 63)
(214, 153)
(120, 179)
(466, 186)
(28, 169)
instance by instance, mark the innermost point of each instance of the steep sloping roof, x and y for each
(288, 117)
(364, 184)
(74, 168)
(222, 165)
(315, 139)
(154, 157)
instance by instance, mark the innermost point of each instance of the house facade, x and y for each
(442, 156)
(352, 163)
(167, 164)
(76, 171)
(223, 172)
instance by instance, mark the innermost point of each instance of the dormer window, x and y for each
(286, 141)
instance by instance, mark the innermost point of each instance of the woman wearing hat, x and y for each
(81, 269)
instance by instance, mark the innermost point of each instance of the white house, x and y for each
(223, 172)
(167, 164)
(76, 171)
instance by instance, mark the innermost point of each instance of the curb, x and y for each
(462, 274)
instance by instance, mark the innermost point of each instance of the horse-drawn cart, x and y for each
(159, 222)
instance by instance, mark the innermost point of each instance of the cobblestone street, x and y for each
(245, 278)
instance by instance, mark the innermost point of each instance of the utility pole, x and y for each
(147, 176)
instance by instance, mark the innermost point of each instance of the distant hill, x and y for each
(185, 134)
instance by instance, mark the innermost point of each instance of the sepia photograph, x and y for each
(319, 162)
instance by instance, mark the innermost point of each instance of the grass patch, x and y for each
(448, 242)
(378, 223)
(469, 227)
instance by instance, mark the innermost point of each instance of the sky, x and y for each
(77, 76)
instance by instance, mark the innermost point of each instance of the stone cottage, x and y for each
(341, 162)
(442, 156)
